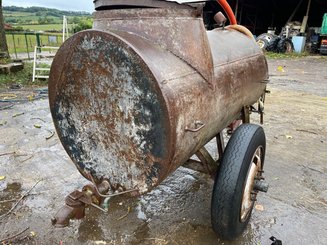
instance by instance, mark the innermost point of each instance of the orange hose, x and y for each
(228, 10)
(241, 29)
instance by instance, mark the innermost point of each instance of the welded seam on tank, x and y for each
(133, 33)
(141, 55)
(237, 60)
(116, 32)
(215, 66)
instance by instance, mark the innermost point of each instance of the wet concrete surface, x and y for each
(178, 211)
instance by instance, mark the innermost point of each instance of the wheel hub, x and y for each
(261, 44)
(249, 192)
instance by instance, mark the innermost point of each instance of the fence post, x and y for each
(28, 52)
(34, 62)
(13, 38)
(38, 40)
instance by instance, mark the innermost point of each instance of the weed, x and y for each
(23, 78)
(293, 55)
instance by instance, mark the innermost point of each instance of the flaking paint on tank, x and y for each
(118, 119)
(143, 96)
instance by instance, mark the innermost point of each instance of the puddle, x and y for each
(9, 196)
(140, 214)
(90, 230)
(142, 235)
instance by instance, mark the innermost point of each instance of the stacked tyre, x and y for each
(272, 46)
(285, 45)
(272, 43)
(264, 40)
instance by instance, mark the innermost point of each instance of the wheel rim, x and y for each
(249, 195)
(261, 44)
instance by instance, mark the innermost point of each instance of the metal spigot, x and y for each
(74, 208)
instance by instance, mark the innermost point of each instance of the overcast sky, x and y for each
(74, 5)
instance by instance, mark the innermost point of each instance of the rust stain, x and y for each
(121, 96)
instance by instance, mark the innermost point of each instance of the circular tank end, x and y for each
(109, 111)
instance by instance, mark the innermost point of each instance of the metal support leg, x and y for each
(207, 160)
(220, 144)
(246, 114)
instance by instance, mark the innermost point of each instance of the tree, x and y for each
(3, 41)
(83, 24)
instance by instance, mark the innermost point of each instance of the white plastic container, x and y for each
(299, 43)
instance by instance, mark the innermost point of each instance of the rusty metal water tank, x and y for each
(136, 96)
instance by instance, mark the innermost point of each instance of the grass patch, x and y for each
(293, 55)
(272, 55)
(4, 61)
(48, 27)
(25, 43)
(23, 78)
(15, 14)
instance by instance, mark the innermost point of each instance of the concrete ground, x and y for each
(178, 211)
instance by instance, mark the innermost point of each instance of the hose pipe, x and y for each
(228, 10)
(241, 29)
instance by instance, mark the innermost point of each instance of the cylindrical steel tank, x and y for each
(136, 96)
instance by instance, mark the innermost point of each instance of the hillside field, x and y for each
(41, 19)
(47, 27)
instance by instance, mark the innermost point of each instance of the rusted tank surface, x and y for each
(139, 94)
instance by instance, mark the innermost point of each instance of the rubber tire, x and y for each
(314, 48)
(231, 178)
(266, 36)
(282, 48)
(264, 42)
(273, 44)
